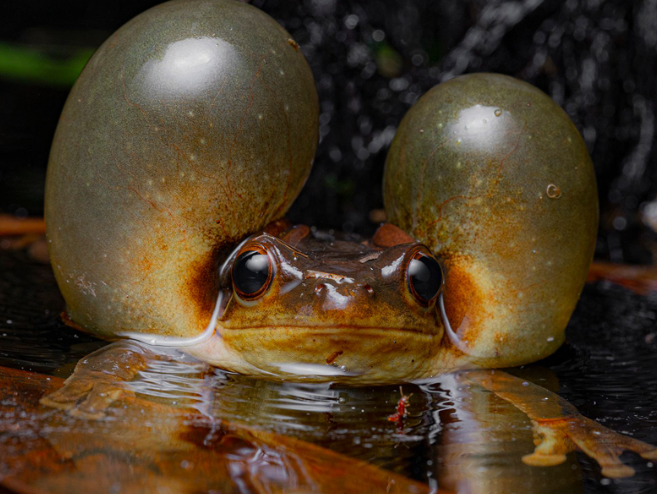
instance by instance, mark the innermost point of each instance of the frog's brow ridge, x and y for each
(285, 244)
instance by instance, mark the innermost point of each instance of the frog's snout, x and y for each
(337, 292)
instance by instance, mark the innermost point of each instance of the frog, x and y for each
(183, 144)
(311, 306)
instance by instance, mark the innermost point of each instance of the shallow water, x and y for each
(457, 437)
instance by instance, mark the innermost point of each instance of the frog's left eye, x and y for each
(425, 277)
(252, 274)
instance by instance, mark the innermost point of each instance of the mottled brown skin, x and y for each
(494, 178)
(343, 302)
(192, 126)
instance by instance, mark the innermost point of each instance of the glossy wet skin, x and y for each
(494, 178)
(334, 306)
(195, 125)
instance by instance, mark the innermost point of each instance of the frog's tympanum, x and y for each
(194, 127)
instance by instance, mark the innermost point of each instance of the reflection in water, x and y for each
(457, 436)
(352, 421)
(463, 438)
(146, 446)
(483, 441)
(179, 383)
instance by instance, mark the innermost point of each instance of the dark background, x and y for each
(372, 59)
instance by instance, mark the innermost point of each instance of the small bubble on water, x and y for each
(9, 321)
(498, 112)
(553, 192)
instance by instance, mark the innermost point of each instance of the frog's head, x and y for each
(310, 303)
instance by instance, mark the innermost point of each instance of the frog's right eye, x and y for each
(252, 274)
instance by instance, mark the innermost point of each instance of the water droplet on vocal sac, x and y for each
(498, 113)
(553, 192)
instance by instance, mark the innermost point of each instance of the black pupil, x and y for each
(425, 276)
(251, 272)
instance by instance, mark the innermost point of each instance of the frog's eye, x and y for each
(425, 277)
(252, 274)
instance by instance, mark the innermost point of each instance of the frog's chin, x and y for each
(357, 355)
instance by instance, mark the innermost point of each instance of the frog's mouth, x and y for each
(320, 353)
(332, 328)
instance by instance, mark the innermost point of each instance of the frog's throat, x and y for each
(456, 340)
(208, 332)
(177, 341)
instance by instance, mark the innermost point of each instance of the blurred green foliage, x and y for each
(388, 61)
(33, 65)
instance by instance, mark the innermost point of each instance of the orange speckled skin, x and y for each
(192, 126)
(494, 178)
